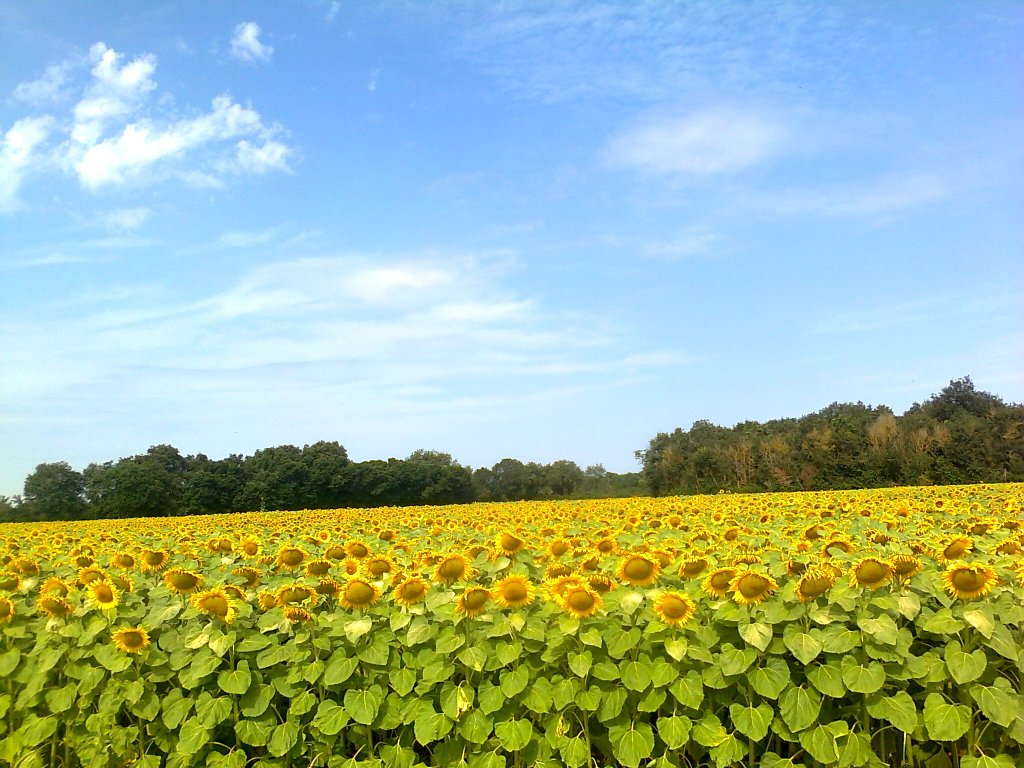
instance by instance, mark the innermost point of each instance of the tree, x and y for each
(54, 492)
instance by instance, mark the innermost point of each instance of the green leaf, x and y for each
(863, 679)
(828, 679)
(709, 731)
(881, 629)
(473, 657)
(982, 619)
(676, 648)
(513, 735)
(174, 708)
(35, 730)
(689, 690)
(403, 681)
(634, 745)
(490, 698)
(941, 622)
(820, 743)
(574, 752)
(622, 642)
(330, 718)
(964, 667)
(193, 736)
(339, 668)
(757, 635)
(475, 727)
(729, 752)
(357, 628)
(735, 661)
(60, 699)
(362, 706)
(430, 726)
(771, 679)
(675, 731)
(945, 722)
(256, 700)
(255, 733)
(752, 721)
(301, 704)
(898, 709)
(283, 738)
(996, 761)
(799, 707)
(235, 681)
(580, 663)
(514, 682)
(9, 661)
(634, 675)
(803, 646)
(997, 704)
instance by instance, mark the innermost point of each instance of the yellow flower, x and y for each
(250, 548)
(905, 566)
(509, 543)
(55, 586)
(870, 572)
(716, 584)
(294, 593)
(215, 602)
(515, 591)
(318, 567)
(451, 569)
(182, 582)
(581, 601)
(378, 565)
(955, 548)
(674, 608)
(358, 594)
(10, 581)
(103, 594)
(131, 639)
(967, 580)
(154, 559)
(54, 606)
(411, 591)
(290, 558)
(251, 576)
(6, 610)
(692, 567)
(639, 570)
(751, 587)
(473, 601)
(296, 615)
(815, 582)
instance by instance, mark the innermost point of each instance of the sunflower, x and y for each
(328, 587)
(6, 610)
(509, 543)
(102, 594)
(515, 591)
(1009, 547)
(607, 546)
(250, 548)
(10, 581)
(639, 570)
(54, 606)
(154, 560)
(905, 566)
(716, 584)
(266, 600)
(411, 591)
(84, 561)
(55, 586)
(600, 583)
(954, 549)
(750, 587)
(692, 567)
(378, 565)
(335, 552)
(473, 601)
(870, 572)
(131, 639)
(297, 615)
(451, 569)
(358, 593)
(836, 545)
(123, 582)
(319, 567)
(294, 593)
(557, 588)
(289, 558)
(356, 549)
(558, 547)
(581, 601)
(674, 608)
(182, 581)
(815, 582)
(27, 566)
(90, 573)
(123, 560)
(251, 576)
(216, 603)
(967, 580)
(556, 571)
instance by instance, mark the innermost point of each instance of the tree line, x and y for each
(162, 482)
(959, 436)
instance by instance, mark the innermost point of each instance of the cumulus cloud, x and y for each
(46, 89)
(17, 150)
(246, 45)
(707, 143)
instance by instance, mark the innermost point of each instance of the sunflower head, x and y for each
(692, 567)
(639, 570)
(750, 587)
(90, 573)
(123, 560)
(250, 548)
(955, 548)
(294, 593)
(131, 639)
(102, 594)
(319, 567)
(558, 547)
(54, 606)
(10, 581)
(56, 587)
(297, 615)
(328, 587)
(358, 593)
(451, 569)
(600, 583)
(905, 566)
(154, 559)
(815, 582)
(580, 601)
(251, 576)
(968, 580)
(411, 591)
(716, 583)
(289, 558)
(509, 543)
(473, 602)
(6, 609)
(514, 591)
(378, 565)
(216, 603)
(674, 608)
(870, 573)
(182, 581)
(356, 549)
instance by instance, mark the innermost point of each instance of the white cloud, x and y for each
(115, 91)
(126, 218)
(332, 11)
(141, 144)
(268, 156)
(708, 143)
(46, 89)
(17, 151)
(246, 45)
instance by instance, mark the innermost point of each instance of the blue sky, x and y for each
(539, 230)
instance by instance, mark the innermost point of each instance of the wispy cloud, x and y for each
(114, 136)
(706, 143)
(124, 219)
(246, 44)
(890, 193)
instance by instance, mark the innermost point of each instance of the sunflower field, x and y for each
(854, 628)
